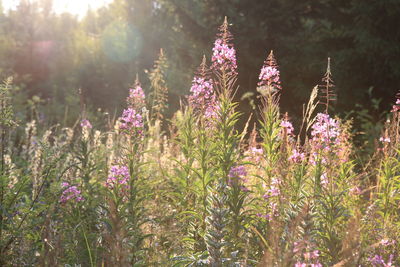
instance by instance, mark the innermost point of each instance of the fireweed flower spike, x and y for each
(203, 99)
(237, 177)
(86, 123)
(136, 98)
(269, 78)
(224, 54)
(70, 192)
(131, 121)
(118, 176)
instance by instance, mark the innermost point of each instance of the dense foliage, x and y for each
(206, 192)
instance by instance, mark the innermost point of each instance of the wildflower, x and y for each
(265, 216)
(237, 175)
(384, 139)
(274, 190)
(70, 192)
(378, 260)
(324, 180)
(355, 190)
(131, 120)
(311, 255)
(297, 157)
(136, 98)
(287, 127)
(238, 171)
(387, 242)
(203, 97)
(118, 175)
(269, 75)
(85, 123)
(396, 107)
(325, 129)
(224, 56)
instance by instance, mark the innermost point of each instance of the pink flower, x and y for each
(396, 107)
(118, 175)
(86, 123)
(384, 139)
(203, 98)
(131, 120)
(70, 192)
(325, 128)
(387, 242)
(269, 75)
(324, 180)
(224, 56)
(136, 98)
(238, 171)
(237, 175)
(355, 190)
(297, 157)
(287, 126)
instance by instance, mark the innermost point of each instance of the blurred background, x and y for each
(52, 48)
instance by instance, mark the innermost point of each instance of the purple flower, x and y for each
(136, 98)
(203, 98)
(224, 56)
(131, 120)
(287, 126)
(387, 242)
(325, 128)
(297, 157)
(70, 192)
(265, 216)
(237, 175)
(237, 172)
(118, 175)
(86, 123)
(269, 75)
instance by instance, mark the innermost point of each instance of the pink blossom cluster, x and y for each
(384, 139)
(224, 56)
(203, 97)
(70, 192)
(269, 76)
(325, 135)
(118, 175)
(85, 123)
(325, 129)
(254, 153)
(396, 107)
(131, 120)
(237, 177)
(296, 156)
(287, 127)
(310, 256)
(136, 98)
(272, 192)
(378, 260)
(324, 180)
(387, 242)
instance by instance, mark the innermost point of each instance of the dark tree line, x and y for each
(52, 55)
